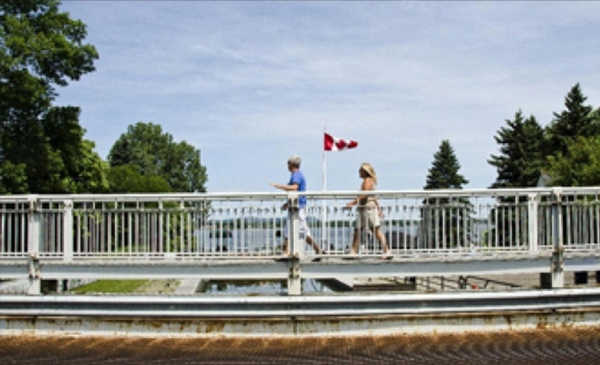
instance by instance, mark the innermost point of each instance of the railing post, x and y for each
(33, 246)
(557, 261)
(295, 246)
(68, 231)
(532, 205)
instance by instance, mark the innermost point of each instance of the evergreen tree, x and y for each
(519, 165)
(576, 121)
(443, 173)
(573, 150)
(446, 222)
(521, 153)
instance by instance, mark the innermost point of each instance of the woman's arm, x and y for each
(366, 185)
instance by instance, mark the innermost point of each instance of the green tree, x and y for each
(42, 149)
(89, 174)
(576, 121)
(126, 179)
(580, 166)
(444, 172)
(446, 222)
(154, 153)
(519, 165)
(596, 116)
(521, 159)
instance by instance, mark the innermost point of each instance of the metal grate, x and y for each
(544, 346)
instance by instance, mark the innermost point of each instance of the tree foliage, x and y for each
(573, 122)
(580, 166)
(42, 149)
(446, 222)
(526, 153)
(126, 179)
(154, 153)
(519, 166)
(444, 172)
(596, 116)
(521, 157)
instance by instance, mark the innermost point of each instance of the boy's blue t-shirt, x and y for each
(298, 178)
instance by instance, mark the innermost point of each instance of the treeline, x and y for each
(42, 146)
(564, 153)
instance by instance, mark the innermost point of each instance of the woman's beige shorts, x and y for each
(367, 218)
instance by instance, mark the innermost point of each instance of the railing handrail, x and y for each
(311, 193)
(444, 222)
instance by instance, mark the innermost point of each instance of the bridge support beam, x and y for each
(556, 278)
(34, 240)
(296, 246)
(558, 260)
(294, 277)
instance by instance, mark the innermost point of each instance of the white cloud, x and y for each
(250, 83)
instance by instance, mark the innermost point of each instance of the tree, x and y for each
(519, 165)
(42, 149)
(443, 173)
(446, 222)
(574, 137)
(596, 116)
(521, 153)
(580, 166)
(154, 153)
(576, 121)
(126, 179)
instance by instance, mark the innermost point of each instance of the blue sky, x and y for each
(251, 83)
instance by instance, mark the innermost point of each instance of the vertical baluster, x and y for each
(34, 245)
(67, 231)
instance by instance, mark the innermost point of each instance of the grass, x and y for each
(110, 286)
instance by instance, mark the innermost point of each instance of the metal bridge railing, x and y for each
(436, 224)
(144, 226)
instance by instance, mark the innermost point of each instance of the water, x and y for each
(269, 240)
(250, 287)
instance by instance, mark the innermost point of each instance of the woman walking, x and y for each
(368, 211)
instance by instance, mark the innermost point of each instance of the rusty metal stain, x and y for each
(383, 325)
(532, 347)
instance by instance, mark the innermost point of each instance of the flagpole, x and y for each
(324, 164)
(323, 215)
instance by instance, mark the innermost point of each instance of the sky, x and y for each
(250, 83)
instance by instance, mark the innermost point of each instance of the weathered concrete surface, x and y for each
(188, 286)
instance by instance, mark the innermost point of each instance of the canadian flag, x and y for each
(338, 144)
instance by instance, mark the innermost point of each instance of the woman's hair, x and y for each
(369, 170)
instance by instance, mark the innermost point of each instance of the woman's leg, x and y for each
(286, 251)
(354, 249)
(381, 238)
